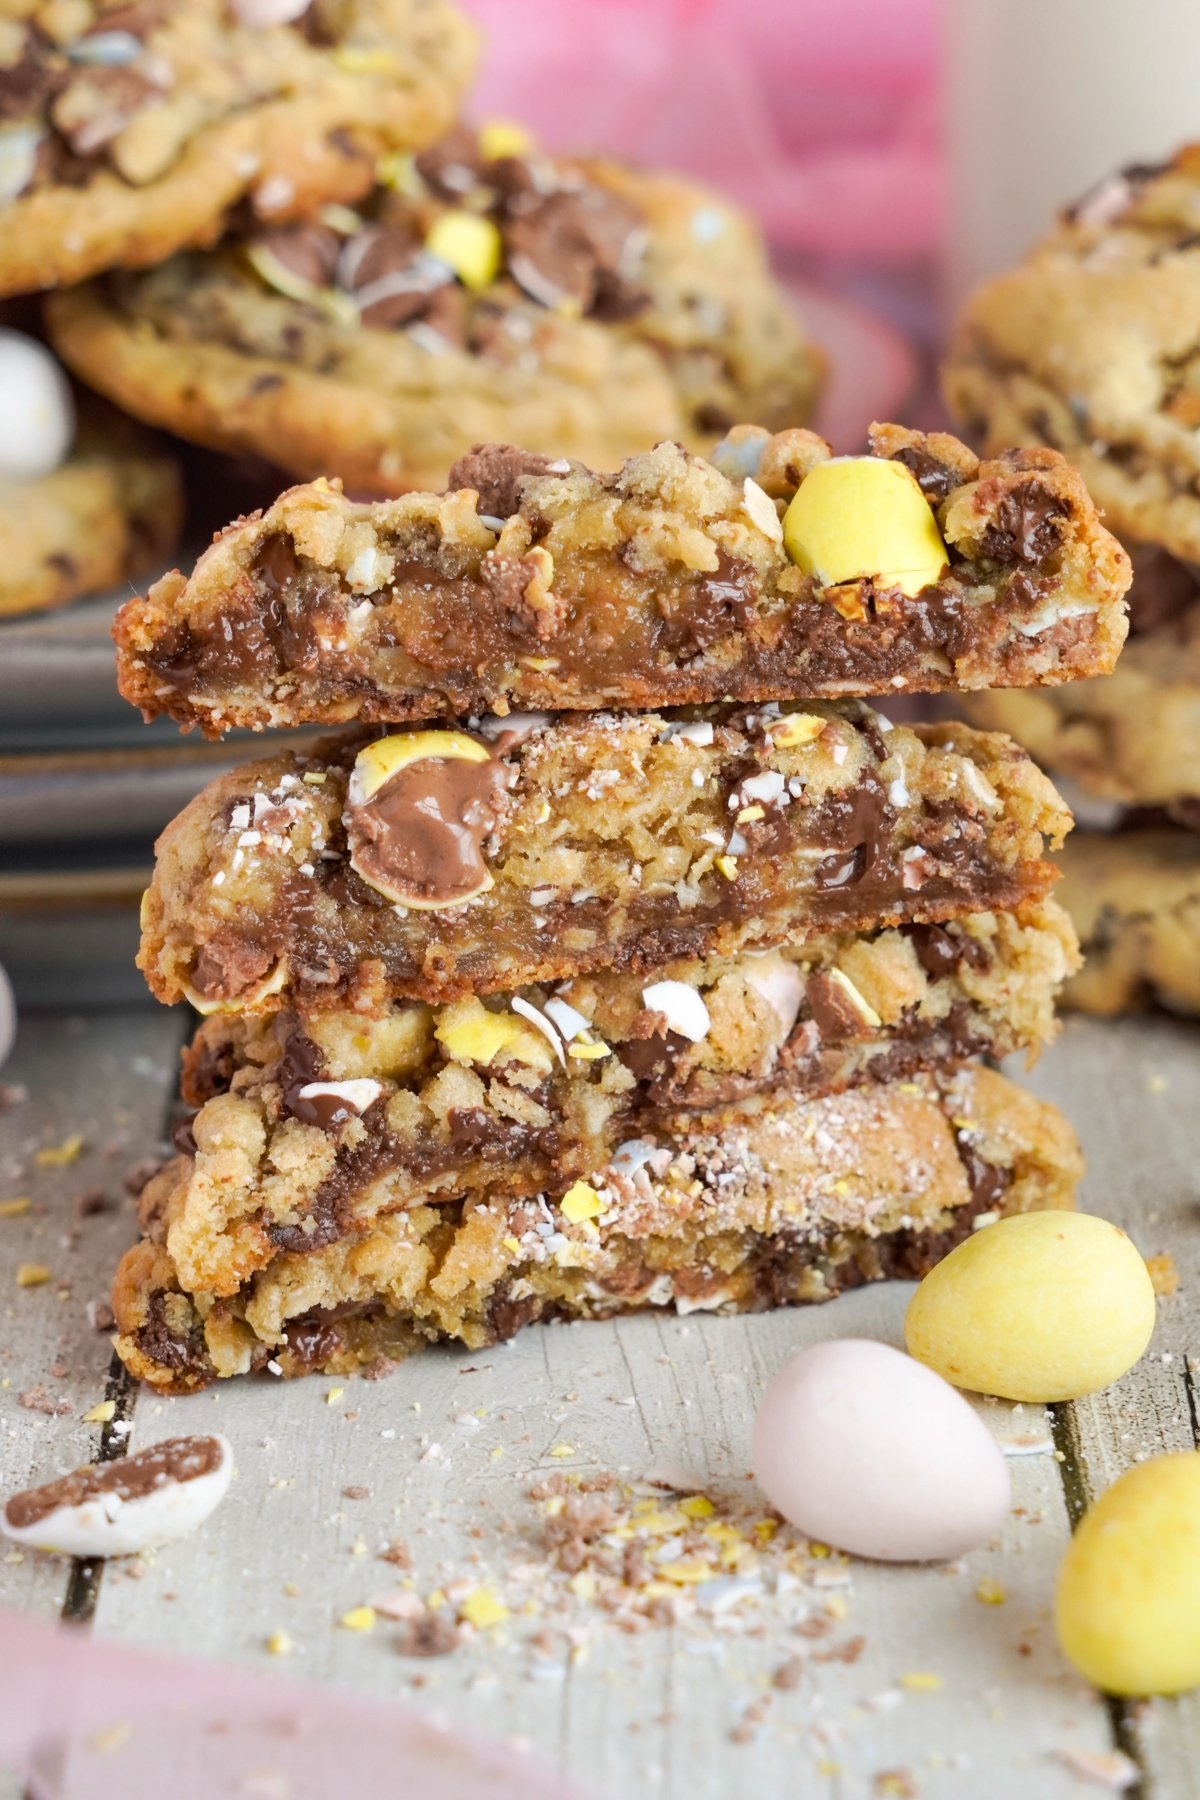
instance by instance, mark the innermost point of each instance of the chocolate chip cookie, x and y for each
(433, 864)
(1090, 345)
(1132, 736)
(774, 1202)
(130, 128)
(581, 308)
(110, 513)
(1135, 898)
(312, 1126)
(534, 583)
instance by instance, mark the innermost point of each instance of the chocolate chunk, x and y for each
(712, 607)
(496, 472)
(451, 167)
(650, 1058)
(129, 1478)
(989, 1184)
(851, 822)
(1027, 527)
(935, 479)
(29, 84)
(310, 252)
(301, 1064)
(420, 836)
(941, 948)
(834, 1012)
(433, 1635)
(183, 1137)
(563, 245)
(381, 268)
(313, 1337)
(163, 1343)
(506, 1317)
(228, 964)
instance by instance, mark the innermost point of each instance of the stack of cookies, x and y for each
(1090, 346)
(608, 956)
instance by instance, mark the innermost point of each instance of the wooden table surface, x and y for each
(945, 1694)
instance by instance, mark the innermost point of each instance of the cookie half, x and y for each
(309, 1128)
(534, 583)
(128, 131)
(778, 1202)
(433, 864)
(581, 308)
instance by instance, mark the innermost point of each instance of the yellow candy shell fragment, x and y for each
(470, 244)
(503, 137)
(1041, 1306)
(859, 516)
(386, 756)
(1128, 1602)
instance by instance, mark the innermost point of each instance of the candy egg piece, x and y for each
(1127, 1606)
(858, 516)
(1038, 1306)
(863, 1448)
(123, 1507)
(38, 413)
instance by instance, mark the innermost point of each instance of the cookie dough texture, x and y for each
(111, 514)
(623, 308)
(1134, 896)
(774, 1203)
(667, 583)
(1090, 345)
(619, 841)
(310, 1128)
(129, 131)
(1132, 736)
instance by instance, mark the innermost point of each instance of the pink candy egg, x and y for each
(863, 1448)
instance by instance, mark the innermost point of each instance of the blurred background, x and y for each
(894, 154)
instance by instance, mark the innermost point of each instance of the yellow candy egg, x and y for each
(861, 516)
(1040, 1306)
(1128, 1601)
(470, 244)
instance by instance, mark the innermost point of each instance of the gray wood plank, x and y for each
(106, 1081)
(1133, 1089)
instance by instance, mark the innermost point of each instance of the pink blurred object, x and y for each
(872, 370)
(81, 1719)
(820, 119)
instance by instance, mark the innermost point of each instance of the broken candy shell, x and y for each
(860, 516)
(122, 1507)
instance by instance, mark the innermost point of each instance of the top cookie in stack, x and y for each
(1090, 345)
(519, 1012)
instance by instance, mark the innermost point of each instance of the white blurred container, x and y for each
(1041, 99)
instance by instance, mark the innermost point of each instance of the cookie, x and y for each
(86, 503)
(312, 1127)
(1132, 736)
(771, 571)
(777, 1202)
(581, 308)
(1135, 898)
(1090, 346)
(434, 864)
(131, 128)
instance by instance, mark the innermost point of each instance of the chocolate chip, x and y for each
(309, 252)
(1027, 527)
(561, 245)
(451, 167)
(496, 472)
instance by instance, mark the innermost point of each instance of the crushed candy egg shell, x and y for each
(38, 413)
(8, 1016)
(378, 761)
(860, 516)
(1127, 1607)
(127, 1505)
(863, 1448)
(1041, 1306)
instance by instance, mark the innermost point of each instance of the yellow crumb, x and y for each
(101, 1413)
(481, 1608)
(579, 1202)
(32, 1274)
(12, 1209)
(561, 1450)
(359, 1618)
(1164, 1276)
(990, 1592)
(334, 1395)
(728, 866)
(921, 1681)
(56, 1156)
(279, 1644)
(696, 1506)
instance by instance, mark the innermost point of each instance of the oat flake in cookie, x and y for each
(484, 290)
(128, 131)
(122, 1507)
(672, 582)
